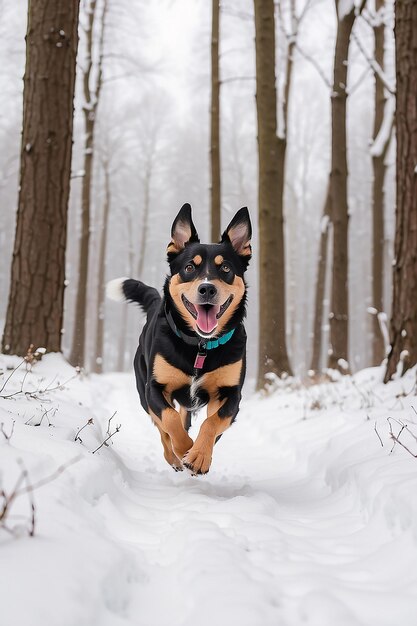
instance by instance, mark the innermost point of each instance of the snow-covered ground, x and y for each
(304, 518)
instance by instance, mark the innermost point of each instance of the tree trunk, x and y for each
(35, 307)
(272, 337)
(339, 315)
(120, 366)
(98, 361)
(215, 126)
(378, 165)
(320, 285)
(404, 304)
(145, 220)
(77, 355)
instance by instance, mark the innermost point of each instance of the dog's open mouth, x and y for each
(206, 315)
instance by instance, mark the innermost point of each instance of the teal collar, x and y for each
(220, 341)
(195, 340)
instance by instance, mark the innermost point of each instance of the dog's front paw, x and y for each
(198, 460)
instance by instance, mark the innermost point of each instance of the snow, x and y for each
(304, 518)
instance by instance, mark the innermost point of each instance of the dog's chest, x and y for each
(192, 396)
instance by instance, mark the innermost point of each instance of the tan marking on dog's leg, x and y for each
(169, 455)
(168, 375)
(171, 423)
(225, 376)
(183, 414)
(198, 459)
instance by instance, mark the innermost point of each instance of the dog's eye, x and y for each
(189, 268)
(225, 268)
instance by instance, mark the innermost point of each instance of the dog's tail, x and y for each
(133, 291)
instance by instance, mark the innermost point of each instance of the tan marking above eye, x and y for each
(197, 260)
(218, 259)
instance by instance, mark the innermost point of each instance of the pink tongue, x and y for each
(206, 319)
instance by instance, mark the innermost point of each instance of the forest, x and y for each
(114, 115)
(159, 120)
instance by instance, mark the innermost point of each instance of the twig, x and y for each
(44, 414)
(29, 488)
(379, 437)
(13, 372)
(6, 436)
(397, 440)
(108, 423)
(118, 427)
(77, 436)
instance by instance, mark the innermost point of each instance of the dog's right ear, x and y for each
(182, 232)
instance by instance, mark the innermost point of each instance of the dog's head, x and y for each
(206, 286)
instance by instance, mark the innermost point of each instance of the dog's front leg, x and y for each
(169, 420)
(198, 459)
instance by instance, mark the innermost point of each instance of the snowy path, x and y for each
(272, 534)
(303, 518)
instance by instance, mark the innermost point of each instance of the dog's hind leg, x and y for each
(169, 455)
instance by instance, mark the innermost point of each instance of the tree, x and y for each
(272, 337)
(35, 307)
(378, 166)
(99, 343)
(403, 326)
(215, 125)
(91, 100)
(339, 314)
(321, 284)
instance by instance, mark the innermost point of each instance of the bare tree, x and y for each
(378, 166)
(403, 325)
(215, 125)
(339, 314)
(35, 308)
(272, 337)
(320, 284)
(91, 100)
(99, 344)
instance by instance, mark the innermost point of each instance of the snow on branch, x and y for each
(384, 134)
(374, 65)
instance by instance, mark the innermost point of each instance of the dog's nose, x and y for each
(207, 291)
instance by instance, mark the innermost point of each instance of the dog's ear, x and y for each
(239, 234)
(182, 232)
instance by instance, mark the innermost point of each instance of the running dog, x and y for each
(192, 350)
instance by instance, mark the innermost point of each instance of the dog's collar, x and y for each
(194, 340)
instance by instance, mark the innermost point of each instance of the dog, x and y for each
(192, 350)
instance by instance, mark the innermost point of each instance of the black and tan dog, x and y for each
(192, 349)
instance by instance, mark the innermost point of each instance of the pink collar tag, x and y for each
(199, 361)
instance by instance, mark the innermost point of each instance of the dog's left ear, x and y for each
(239, 234)
(183, 231)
